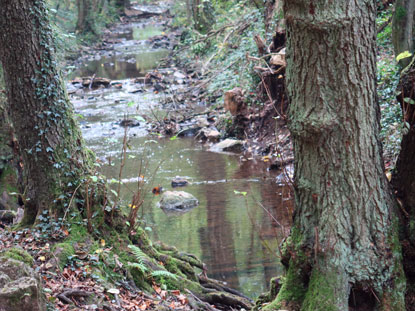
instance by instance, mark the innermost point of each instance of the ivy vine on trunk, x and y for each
(53, 152)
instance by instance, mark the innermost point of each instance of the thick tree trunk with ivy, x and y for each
(50, 142)
(343, 250)
(403, 179)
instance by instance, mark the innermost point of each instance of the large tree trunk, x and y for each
(343, 250)
(403, 179)
(50, 142)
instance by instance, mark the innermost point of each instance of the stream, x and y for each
(231, 232)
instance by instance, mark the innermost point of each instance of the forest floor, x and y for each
(75, 287)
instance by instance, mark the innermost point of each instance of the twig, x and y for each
(220, 49)
(92, 81)
(70, 202)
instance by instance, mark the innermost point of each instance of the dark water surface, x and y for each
(230, 232)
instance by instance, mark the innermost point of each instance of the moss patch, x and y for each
(18, 254)
(63, 252)
(321, 292)
(292, 290)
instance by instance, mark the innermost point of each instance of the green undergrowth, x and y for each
(221, 53)
(392, 126)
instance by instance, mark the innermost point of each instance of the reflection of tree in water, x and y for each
(218, 234)
(274, 198)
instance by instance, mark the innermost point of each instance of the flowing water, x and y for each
(231, 232)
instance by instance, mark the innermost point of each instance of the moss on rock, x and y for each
(18, 254)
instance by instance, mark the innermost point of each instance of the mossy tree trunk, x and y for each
(343, 250)
(50, 142)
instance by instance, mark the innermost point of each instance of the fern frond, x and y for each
(138, 253)
(143, 269)
(163, 273)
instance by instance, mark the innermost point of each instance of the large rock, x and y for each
(228, 145)
(178, 200)
(20, 287)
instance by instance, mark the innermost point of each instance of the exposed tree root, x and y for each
(203, 289)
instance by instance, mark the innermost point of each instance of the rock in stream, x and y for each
(177, 201)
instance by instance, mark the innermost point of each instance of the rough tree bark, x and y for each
(50, 142)
(343, 250)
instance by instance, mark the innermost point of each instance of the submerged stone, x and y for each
(178, 200)
(179, 182)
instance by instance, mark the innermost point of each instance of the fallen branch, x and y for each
(64, 297)
(199, 303)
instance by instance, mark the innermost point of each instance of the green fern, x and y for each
(140, 256)
(163, 273)
(138, 266)
(138, 253)
(141, 265)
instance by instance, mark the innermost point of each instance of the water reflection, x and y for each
(218, 245)
(129, 66)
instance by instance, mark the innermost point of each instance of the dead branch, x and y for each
(64, 297)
